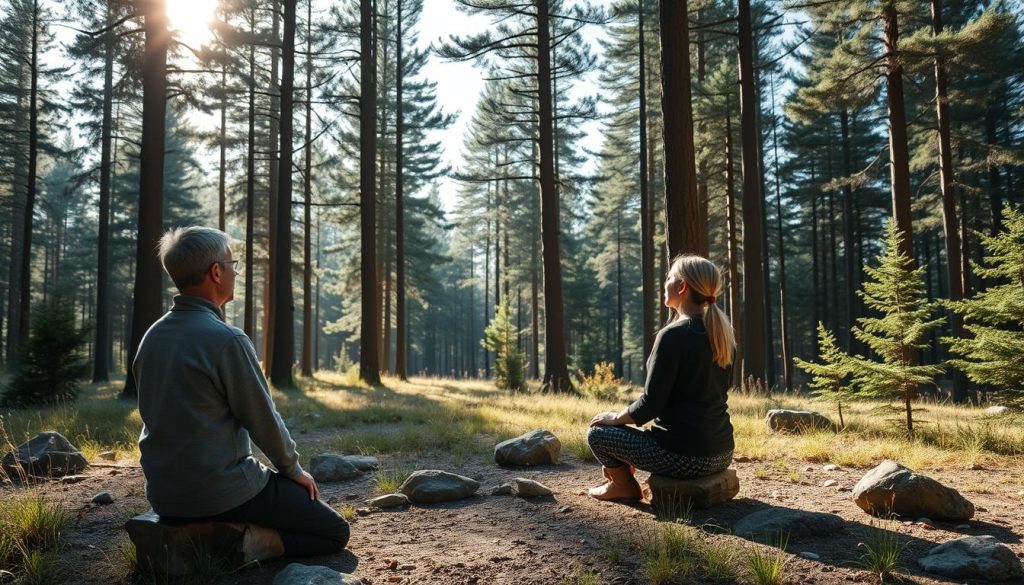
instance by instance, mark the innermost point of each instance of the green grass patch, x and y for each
(881, 550)
(766, 563)
(30, 530)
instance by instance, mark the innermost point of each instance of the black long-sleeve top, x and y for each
(685, 393)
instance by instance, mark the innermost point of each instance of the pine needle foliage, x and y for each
(828, 378)
(995, 316)
(501, 337)
(895, 290)
(52, 366)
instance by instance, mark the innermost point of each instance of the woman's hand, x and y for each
(606, 418)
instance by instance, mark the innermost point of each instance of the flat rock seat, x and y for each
(670, 494)
(171, 549)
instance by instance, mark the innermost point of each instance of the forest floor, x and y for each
(567, 539)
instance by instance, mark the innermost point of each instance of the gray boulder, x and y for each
(893, 488)
(430, 486)
(973, 557)
(796, 421)
(537, 447)
(103, 498)
(47, 454)
(528, 488)
(299, 574)
(363, 462)
(329, 467)
(772, 522)
(388, 501)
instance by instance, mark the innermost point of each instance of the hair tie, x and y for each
(711, 299)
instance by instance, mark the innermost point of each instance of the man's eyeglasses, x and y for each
(233, 263)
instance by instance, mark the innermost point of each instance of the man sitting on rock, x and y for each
(202, 396)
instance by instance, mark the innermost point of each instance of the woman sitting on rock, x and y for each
(688, 374)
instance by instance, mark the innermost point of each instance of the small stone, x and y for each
(976, 467)
(108, 455)
(537, 447)
(391, 563)
(329, 467)
(528, 488)
(808, 468)
(71, 479)
(797, 523)
(431, 486)
(844, 488)
(973, 557)
(891, 488)
(829, 483)
(741, 459)
(796, 421)
(394, 578)
(113, 472)
(48, 454)
(388, 501)
(406, 567)
(982, 509)
(962, 527)
(298, 574)
(809, 556)
(363, 511)
(924, 520)
(926, 526)
(504, 489)
(997, 410)
(103, 498)
(351, 496)
(311, 417)
(565, 509)
(830, 467)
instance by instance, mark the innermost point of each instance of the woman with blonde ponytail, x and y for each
(685, 394)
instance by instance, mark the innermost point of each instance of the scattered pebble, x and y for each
(406, 567)
(981, 509)
(829, 483)
(809, 468)
(108, 455)
(351, 496)
(363, 511)
(103, 498)
(741, 459)
(962, 527)
(394, 578)
(565, 509)
(844, 488)
(809, 555)
(391, 563)
(69, 479)
(830, 467)
(976, 467)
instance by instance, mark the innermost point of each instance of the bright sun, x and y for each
(191, 19)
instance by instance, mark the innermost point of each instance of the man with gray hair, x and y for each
(202, 395)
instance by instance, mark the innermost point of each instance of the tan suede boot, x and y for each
(260, 544)
(621, 485)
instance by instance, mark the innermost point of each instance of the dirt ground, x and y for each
(513, 541)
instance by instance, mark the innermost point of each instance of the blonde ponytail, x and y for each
(705, 282)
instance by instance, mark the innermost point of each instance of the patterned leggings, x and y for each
(617, 446)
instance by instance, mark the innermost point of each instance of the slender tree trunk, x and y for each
(787, 378)
(753, 310)
(400, 324)
(146, 300)
(815, 267)
(269, 292)
(307, 188)
(848, 247)
(618, 295)
(648, 288)
(101, 346)
(369, 369)
(25, 304)
(686, 232)
(284, 310)
(556, 371)
(222, 168)
(734, 265)
(949, 221)
(248, 318)
(898, 152)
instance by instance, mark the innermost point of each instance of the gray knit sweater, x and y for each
(201, 396)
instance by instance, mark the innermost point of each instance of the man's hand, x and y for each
(306, 480)
(605, 418)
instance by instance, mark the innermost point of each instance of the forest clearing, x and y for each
(565, 538)
(505, 291)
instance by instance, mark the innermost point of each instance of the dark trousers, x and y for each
(307, 527)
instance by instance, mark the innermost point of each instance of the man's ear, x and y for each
(215, 273)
